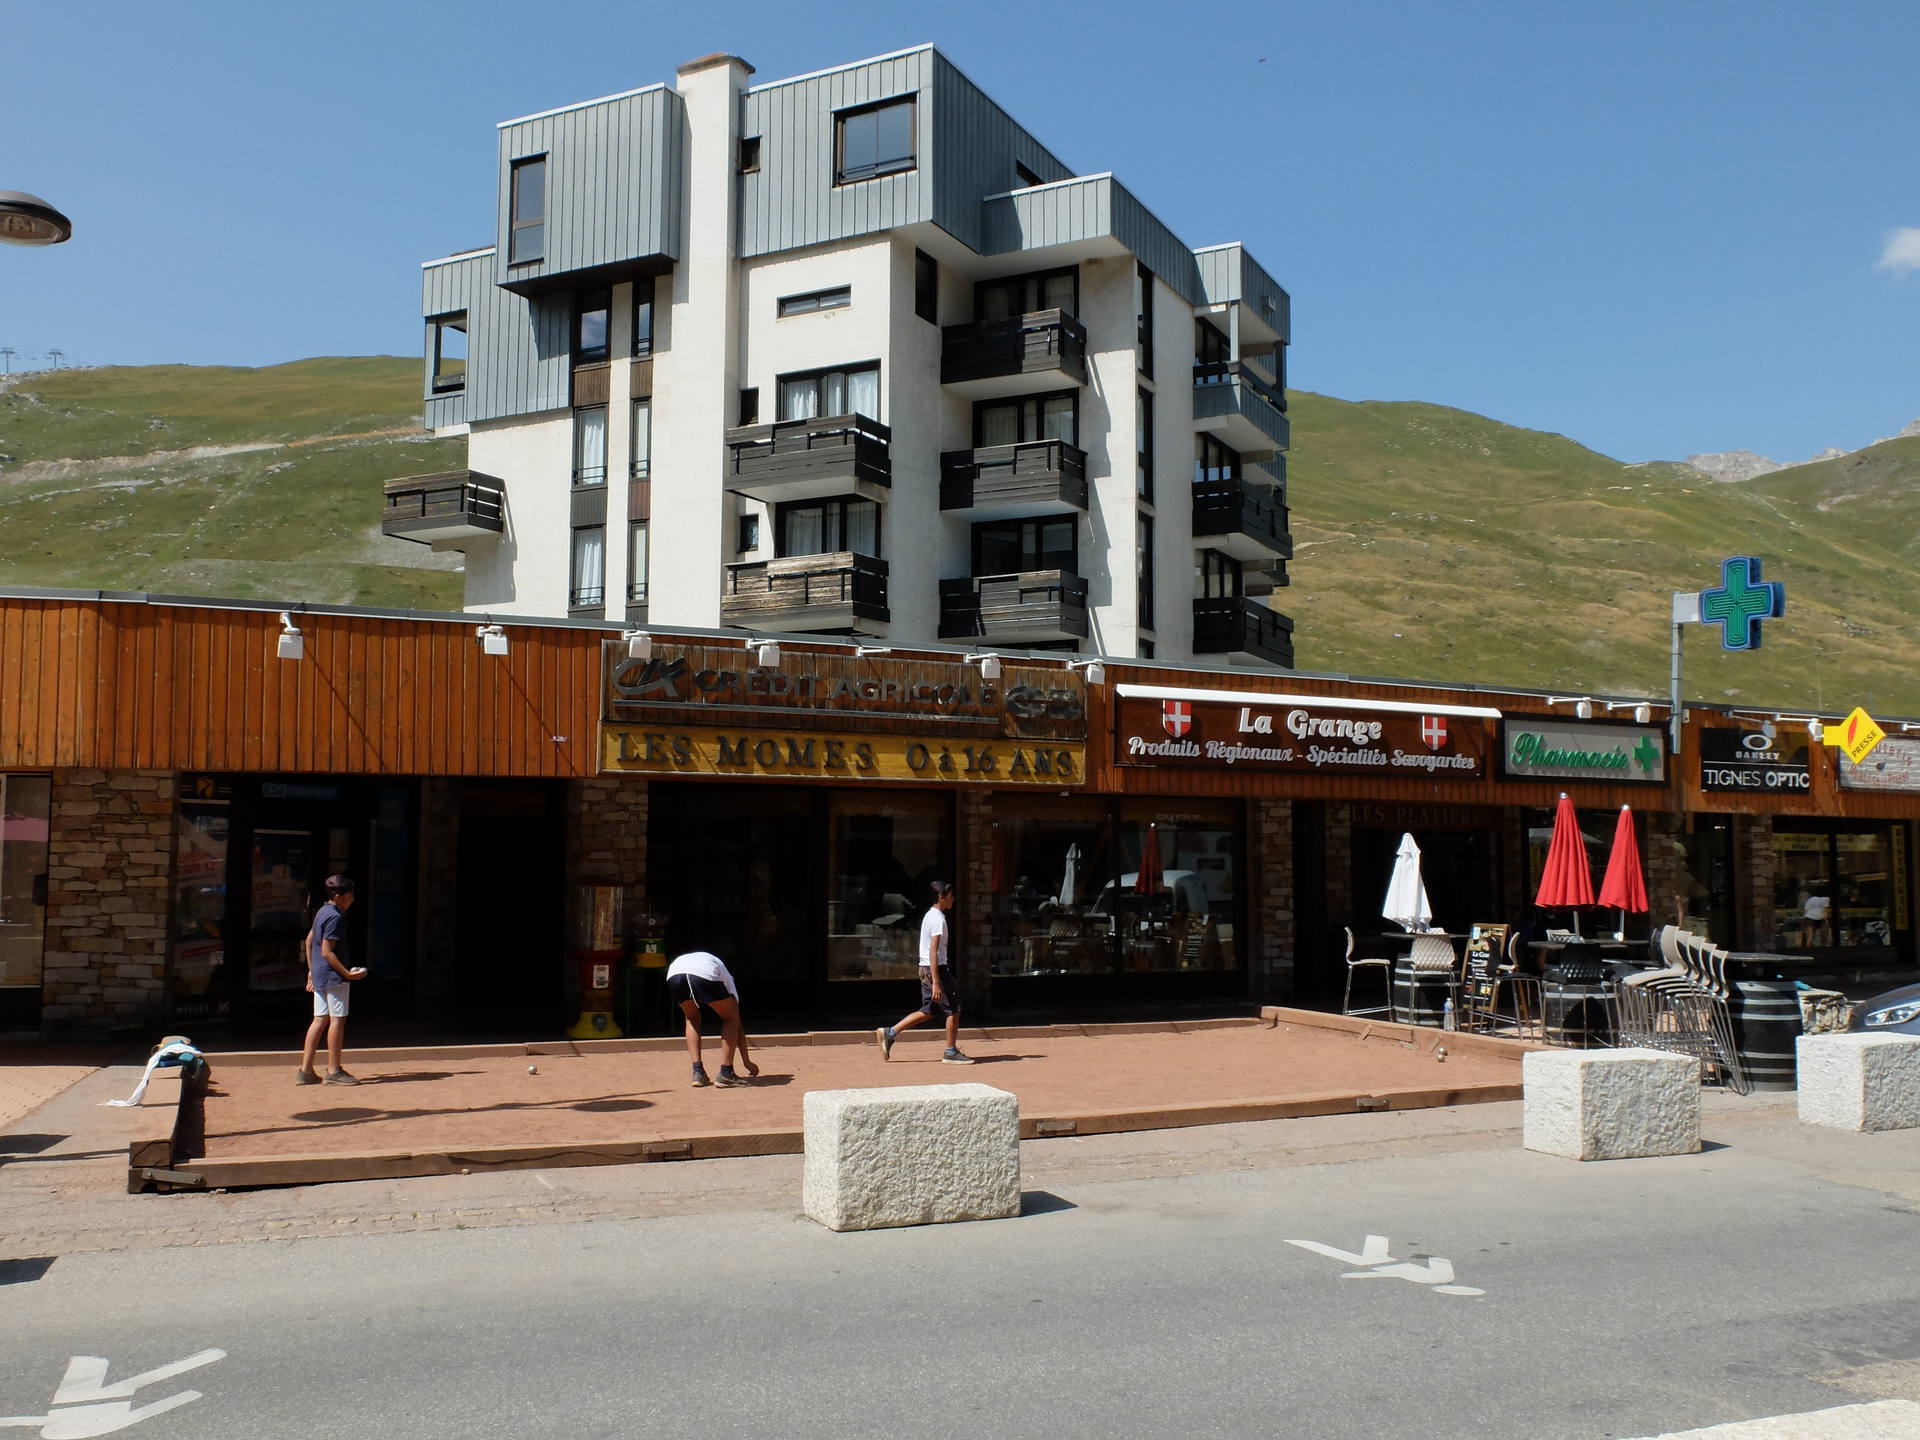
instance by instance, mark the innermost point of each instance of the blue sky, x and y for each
(1656, 227)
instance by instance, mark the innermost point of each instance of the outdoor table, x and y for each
(1575, 987)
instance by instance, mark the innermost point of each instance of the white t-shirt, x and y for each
(1817, 907)
(707, 967)
(933, 923)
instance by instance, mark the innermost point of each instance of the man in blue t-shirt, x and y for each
(328, 975)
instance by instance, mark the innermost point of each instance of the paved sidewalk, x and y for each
(31, 1074)
(63, 1174)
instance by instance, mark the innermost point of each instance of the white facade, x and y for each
(733, 503)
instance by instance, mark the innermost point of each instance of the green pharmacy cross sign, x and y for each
(1741, 602)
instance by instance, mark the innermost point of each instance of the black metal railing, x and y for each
(1232, 372)
(1042, 604)
(1238, 625)
(1237, 507)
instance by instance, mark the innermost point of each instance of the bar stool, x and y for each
(1384, 966)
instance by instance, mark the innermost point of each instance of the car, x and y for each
(1897, 1012)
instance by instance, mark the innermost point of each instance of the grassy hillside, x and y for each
(200, 480)
(1432, 543)
(1439, 543)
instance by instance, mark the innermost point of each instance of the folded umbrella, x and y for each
(1624, 887)
(1566, 881)
(1406, 903)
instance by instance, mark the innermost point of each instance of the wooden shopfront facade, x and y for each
(174, 791)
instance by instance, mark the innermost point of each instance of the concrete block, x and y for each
(911, 1155)
(1860, 1081)
(1610, 1104)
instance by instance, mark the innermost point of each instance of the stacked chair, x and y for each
(1682, 1007)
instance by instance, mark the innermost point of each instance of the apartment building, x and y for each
(852, 353)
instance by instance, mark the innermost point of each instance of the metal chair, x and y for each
(1431, 961)
(1384, 966)
(1493, 967)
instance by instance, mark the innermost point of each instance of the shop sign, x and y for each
(766, 754)
(1893, 765)
(1295, 735)
(1381, 815)
(1751, 760)
(1532, 748)
(702, 684)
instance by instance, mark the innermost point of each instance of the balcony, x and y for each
(1033, 607)
(829, 455)
(446, 509)
(1240, 405)
(1241, 519)
(1042, 350)
(1244, 631)
(810, 593)
(1006, 482)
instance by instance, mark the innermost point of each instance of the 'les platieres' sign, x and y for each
(1203, 734)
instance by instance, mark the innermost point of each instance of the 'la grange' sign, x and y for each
(1159, 725)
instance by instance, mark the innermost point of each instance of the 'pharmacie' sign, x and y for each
(1533, 748)
(1295, 733)
(775, 754)
(718, 684)
(1753, 761)
(1893, 764)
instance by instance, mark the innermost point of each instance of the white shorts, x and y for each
(332, 1001)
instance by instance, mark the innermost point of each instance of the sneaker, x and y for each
(700, 1076)
(307, 1077)
(884, 1038)
(341, 1077)
(727, 1077)
(954, 1057)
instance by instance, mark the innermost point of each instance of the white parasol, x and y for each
(1407, 903)
(1072, 876)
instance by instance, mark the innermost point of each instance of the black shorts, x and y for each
(682, 988)
(939, 1009)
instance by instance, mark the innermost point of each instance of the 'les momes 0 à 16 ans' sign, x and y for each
(1259, 733)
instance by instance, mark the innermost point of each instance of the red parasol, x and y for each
(1624, 887)
(1566, 881)
(1147, 882)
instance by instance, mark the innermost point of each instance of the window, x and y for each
(748, 536)
(589, 583)
(1218, 577)
(640, 466)
(1143, 443)
(1010, 547)
(25, 805)
(831, 392)
(1017, 295)
(1028, 417)
(1210, 345)
(875, 842)
(1143, 318)
(1836, 885)
(1023, 177)
(1214, 462)
(590, 445)
(527, 210)
(926, 287)
(837, 298)
(750, 405)
(643, 316)
(1143, 558)
(825, 527)
(1146, 649)
(637, 563)
(447, 351)
(749, 154)
(591, 311)
(874, 140)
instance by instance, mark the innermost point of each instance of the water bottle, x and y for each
(1446, 1016)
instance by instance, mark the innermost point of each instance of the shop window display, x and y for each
(23, 877)
(1833, 888)
(1091, 894)
(885, 853)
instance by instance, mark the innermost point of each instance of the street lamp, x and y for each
(28, 220)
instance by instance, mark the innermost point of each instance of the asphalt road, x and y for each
(1621, 1299)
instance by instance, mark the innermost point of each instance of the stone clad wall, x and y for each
(607, 840)
(1270, 899)
(109, 887)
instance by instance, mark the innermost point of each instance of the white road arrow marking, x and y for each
(86, 1372)
(1374, 1252)
(94, 1408)
(1377, 1264)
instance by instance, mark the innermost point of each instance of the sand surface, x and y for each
(459, 1101)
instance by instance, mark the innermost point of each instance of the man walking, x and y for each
(938, 997)
(329, 977)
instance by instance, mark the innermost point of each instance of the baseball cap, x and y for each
(340, 884)
(940, 887)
